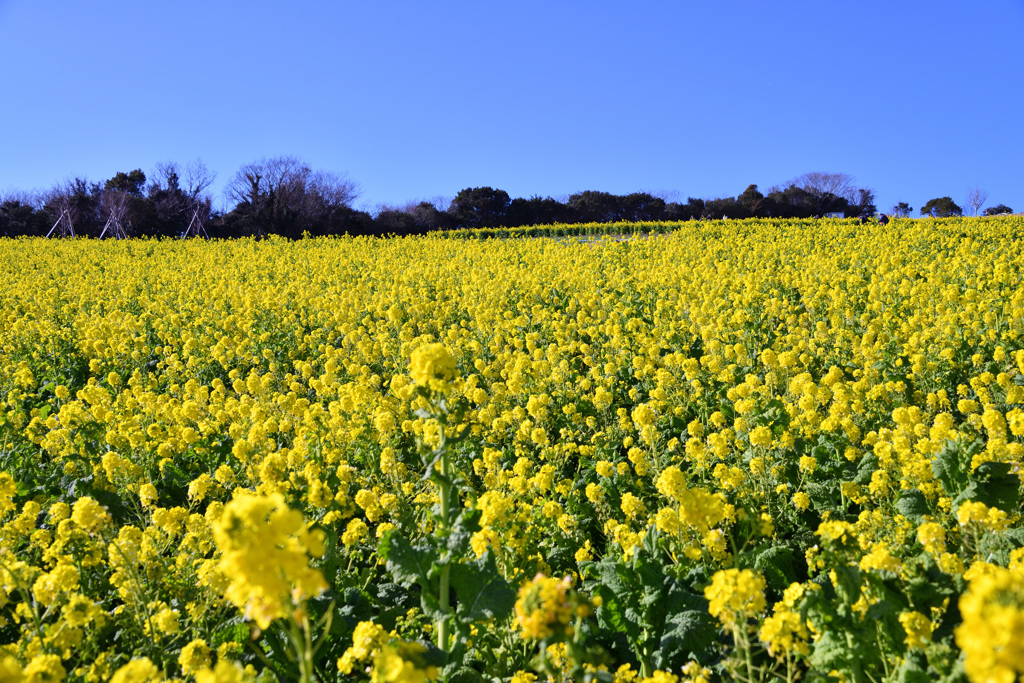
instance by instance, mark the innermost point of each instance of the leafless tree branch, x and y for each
(976, 198)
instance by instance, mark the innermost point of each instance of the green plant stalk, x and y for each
(881, 649)
(645, 654)
(309, 675)
(299, 636)
(445, 495)
(742, 640)
(646, 669)
(138, 586)
(858, 674)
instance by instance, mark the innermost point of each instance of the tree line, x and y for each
(284, 196)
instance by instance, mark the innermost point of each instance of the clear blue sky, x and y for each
(415, 100)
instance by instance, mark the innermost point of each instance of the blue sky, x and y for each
(415, 100)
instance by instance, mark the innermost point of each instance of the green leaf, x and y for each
(776, 563)
(927, 586)
(993, 484)
(619, 599)
(823, 496)
(349, 611)
(885, 613)
(409, 564)
(688, 633)
(830, 652)
(912, 504)
(643, 604)
(422, 654)
(456, 673)
(865, 468)
(462, 530)
(1015, 537)
(266, 676)
(914, 668)
(481, 590)
(391, 594)
(952, 463)
(412, 564)
(946, 468)
(848, 580)
(615, 614)
(951, 619)
(652, 591)
(231, 631)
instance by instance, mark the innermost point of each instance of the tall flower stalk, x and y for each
(432, 367)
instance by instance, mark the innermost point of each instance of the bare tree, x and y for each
(166, 175)
(668, 196)
(58, 199)
(198, 178)
(247, 185)
(326, 193)
(442, 202)
(287, 194)
(418, 208)
(837, 184)
(976, 198)
(169, 200)
(280, 175)
(33, 198)
(424, 214)
(825, 188)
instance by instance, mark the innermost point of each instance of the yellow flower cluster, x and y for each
(992, 633)
(546, 606)
(187, 426)
(432, 366)
(735, 595)
(918, 627)
(265, 548)
(390, 660)
(785, 632)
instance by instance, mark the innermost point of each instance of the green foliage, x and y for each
(130, 183)
(663, 621)
(912, 504)
(413, 565)
(481, 592)
(776, 563)
(952, 465)
(992, 483)
(479, 207)
(941, 207)
(995, 485)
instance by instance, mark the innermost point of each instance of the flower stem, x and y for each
(445, 494)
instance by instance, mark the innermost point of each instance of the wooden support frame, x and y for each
(67, 228)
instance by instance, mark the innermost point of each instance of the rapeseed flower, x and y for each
(432, 366)
(265, 550)
(735, 595)
(992, 633)
(545, 607)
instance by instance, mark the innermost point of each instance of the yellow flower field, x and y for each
(739, 450)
